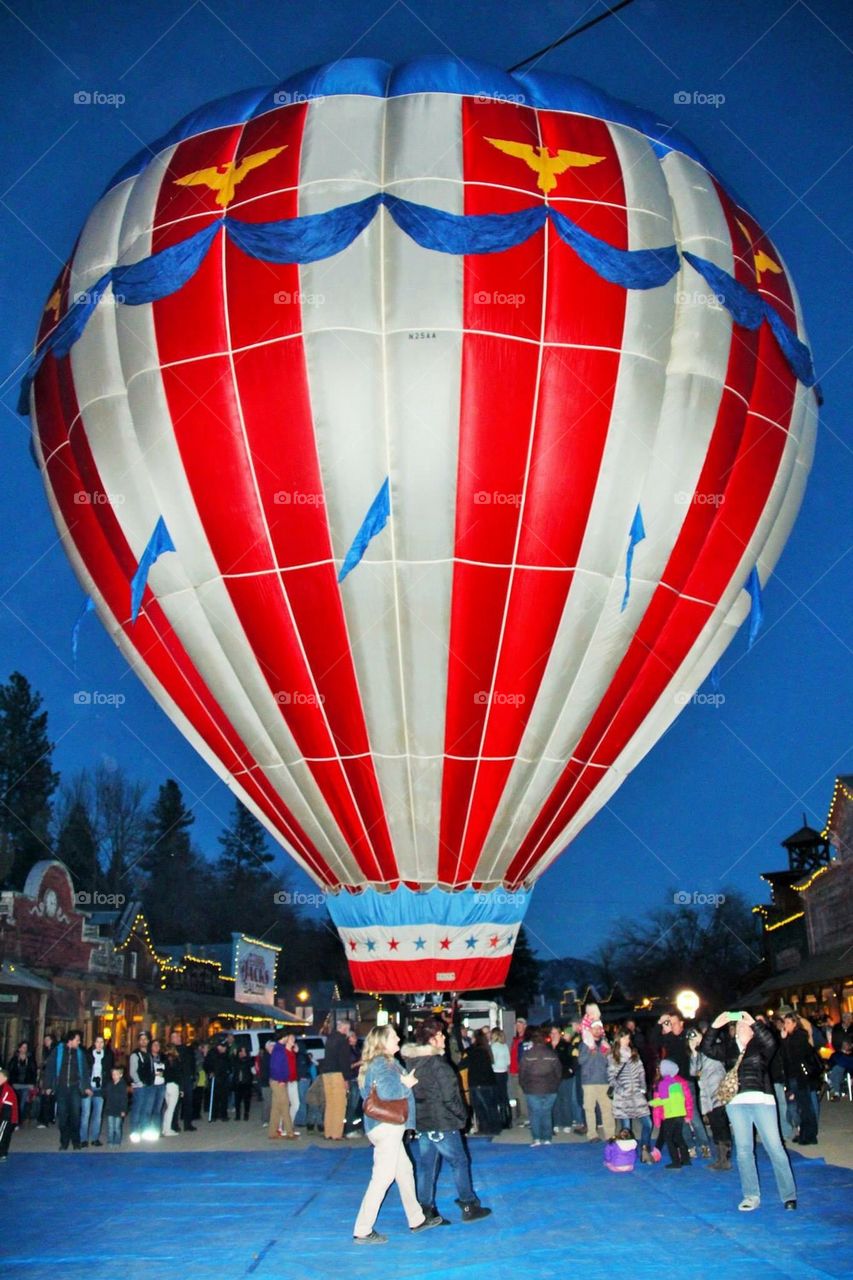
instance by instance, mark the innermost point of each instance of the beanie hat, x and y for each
(668, 1067)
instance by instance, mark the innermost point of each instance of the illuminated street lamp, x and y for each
(303, 997)
(687, 1003)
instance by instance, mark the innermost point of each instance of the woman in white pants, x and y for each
(390, 1160)
(172, 1091)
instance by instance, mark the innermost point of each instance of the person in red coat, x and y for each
(8, 1113)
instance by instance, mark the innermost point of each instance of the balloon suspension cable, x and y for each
(570, 35)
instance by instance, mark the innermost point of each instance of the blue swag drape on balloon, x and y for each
(313, 237)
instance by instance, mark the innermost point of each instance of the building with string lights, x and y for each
(69, 961)
(808, 923)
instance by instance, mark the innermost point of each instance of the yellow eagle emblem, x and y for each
(225, 178)
(547, 167)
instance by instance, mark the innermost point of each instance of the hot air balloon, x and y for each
(423, 436)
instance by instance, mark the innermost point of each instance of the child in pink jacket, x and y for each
(671, 1105)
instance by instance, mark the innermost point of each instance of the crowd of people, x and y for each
(691, 1092)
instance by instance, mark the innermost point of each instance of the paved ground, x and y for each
(835, 1145)
(263, 1214)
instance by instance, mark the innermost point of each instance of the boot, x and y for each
(646, 1156)
(723, 1152)
(433, 1217)
(473, 1210)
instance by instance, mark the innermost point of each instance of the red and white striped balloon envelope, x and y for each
(423, 435)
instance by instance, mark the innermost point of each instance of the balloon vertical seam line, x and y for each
(553, 832)
(534, 413)
(260, 507)
(392, 530)
(613, 591)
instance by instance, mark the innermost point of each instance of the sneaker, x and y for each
(748, 1203)
(691, 1151)
(41, 1126)
(375, 1237)
(97, 1143)
(705, 1153)
(536, 1143)
(426, 1224)
(567, 1128)
(791, 1204)
(546, 1142)
(353, 1133)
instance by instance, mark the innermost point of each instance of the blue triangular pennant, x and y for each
(756, 612)
(159, 542)
(88, 606)
(637, 533)
(374, 522)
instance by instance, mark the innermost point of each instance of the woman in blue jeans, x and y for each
(753, 1108)
(539, 1074)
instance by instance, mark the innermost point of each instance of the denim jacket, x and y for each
(387, 1075)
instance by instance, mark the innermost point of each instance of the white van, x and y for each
(255, 1039)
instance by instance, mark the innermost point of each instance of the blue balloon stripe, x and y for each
(404, 906)
(316, 236)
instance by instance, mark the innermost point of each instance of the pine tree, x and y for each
(27, 780)
(77, 847)
(245, 855)
(174, 893)
(522, 981)
(246, 897)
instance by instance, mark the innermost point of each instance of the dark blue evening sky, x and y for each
(711, 802)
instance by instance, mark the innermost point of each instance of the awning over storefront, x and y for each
(831, 967)
(199, 1004)
(15, 975)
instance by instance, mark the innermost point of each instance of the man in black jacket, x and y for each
(335, 1070)
(440, 1113)
(66, 1074)
(184, 1071)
